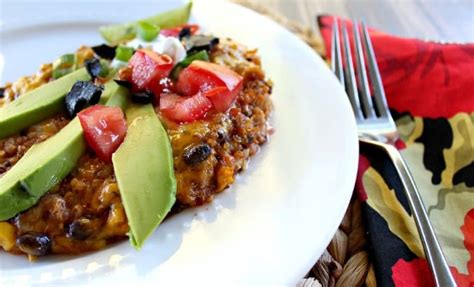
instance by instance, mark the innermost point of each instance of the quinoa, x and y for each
(84, 211)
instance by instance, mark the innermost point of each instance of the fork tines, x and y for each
(356, 81)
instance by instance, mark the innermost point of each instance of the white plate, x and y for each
(278, 217)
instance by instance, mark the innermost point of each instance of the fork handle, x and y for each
(433, 252)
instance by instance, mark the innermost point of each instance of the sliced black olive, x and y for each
(104, 51)
(34, 243)
(94, 67)
(82, 95)
(123, 83)
(142, 97)
(196, 154)
(79, 229)
(198, 43)
(185, 32)
(2, 92)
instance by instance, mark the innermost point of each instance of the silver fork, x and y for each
(376, 127)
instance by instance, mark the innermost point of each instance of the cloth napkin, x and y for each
(430, 91)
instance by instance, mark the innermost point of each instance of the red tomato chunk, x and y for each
(203, 86)
(104, 129)
(220, 84)
(148, 68)
(184, 109)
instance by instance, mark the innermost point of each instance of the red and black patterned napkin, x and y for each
(430, 91)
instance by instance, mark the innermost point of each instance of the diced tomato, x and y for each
(220, 84)
(174, 32)
(104, 129)
(222, 98)
(191, 81)
(230, 78)
(165, 85)
(184, 109)
(148, 68)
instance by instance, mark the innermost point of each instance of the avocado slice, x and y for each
(143, 166)
(47, 163)
(115, 34)
(38, 104)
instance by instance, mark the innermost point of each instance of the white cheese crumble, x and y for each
(117, 64)
(170, 46)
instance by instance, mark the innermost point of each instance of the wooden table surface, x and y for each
(442, 20)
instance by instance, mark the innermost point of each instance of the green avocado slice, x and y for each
(115, 34)
(143, 166)
(42, 167)
(38, 104)
(47, 163)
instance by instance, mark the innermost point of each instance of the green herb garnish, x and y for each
(202, 55)
(123, 53)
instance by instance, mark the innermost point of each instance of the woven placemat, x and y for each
(345, 262)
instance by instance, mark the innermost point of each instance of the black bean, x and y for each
(7, 163)
(142, 97)
(196, 154)
(104, 51)
(79, 229)
(34, 243)
(82, 95)
(221, 135)
(94, 67)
